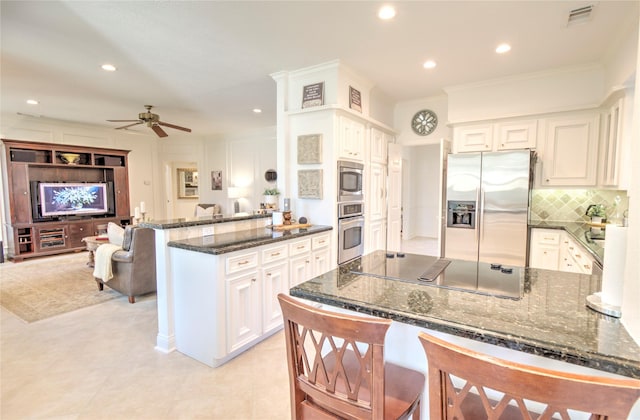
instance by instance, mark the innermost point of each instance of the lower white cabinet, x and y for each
(312, 261)
(225, 304)
(544, 249)
(554, 249)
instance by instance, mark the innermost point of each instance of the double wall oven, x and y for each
(350, 211)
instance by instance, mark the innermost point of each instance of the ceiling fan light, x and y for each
(32, 102)
(257, 110)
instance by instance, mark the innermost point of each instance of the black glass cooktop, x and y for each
(477, 277)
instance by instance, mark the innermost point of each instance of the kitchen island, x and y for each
(225, 286)
(548, 319)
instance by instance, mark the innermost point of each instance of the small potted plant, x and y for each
(596, 212)
(271, 196)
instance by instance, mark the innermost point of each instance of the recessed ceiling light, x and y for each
(32, 102)
(108, 67)
(257, 110)
(387, 12)
(503, 48)
(429, 64)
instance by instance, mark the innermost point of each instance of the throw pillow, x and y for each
(203, 212)
(115, 234)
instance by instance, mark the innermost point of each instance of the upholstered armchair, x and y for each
(134, 266)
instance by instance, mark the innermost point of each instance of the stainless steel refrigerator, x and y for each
(487, 205)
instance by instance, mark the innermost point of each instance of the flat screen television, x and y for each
(73, 199)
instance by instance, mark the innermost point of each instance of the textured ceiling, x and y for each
(206, 64)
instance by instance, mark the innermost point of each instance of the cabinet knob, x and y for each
(25, 193)
(253, 279)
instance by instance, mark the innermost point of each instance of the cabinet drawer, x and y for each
(241, 262)
(300, 247)
(320, 241)
(274, 253)
(546, 237)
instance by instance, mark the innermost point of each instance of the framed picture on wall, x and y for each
(310, 149)
(310, 183)
(355, 99)
(216, 180)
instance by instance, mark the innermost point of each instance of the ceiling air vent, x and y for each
(580, 15)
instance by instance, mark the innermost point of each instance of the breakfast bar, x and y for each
(547, 317)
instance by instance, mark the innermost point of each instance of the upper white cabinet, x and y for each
(610, 155)
(570, 148)
(510, 135)
(494, 136)
(378, 141)
(351, 137)
(473, 138)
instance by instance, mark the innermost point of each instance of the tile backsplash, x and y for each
(570, 205)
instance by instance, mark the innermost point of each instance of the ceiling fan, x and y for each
(153, 121)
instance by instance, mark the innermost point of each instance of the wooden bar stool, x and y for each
(337, 369)
(465, 384)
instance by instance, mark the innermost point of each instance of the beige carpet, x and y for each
(45, 287)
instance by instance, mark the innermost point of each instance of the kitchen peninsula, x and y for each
(548, 319)
(224, 285)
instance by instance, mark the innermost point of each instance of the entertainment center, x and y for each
(59, 194)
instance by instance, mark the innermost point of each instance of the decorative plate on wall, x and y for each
(424, 122)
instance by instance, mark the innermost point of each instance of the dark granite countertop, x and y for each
(581, 232)
(550, 320)
(197, 221)
(235, 241)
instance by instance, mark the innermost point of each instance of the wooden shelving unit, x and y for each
(48, 162)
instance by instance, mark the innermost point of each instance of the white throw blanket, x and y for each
(103, 268)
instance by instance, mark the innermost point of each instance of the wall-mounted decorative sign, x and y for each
(310, 183)
(310, 149)
(355, 99)
(216, 180)
(313, 95)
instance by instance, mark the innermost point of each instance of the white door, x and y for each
(394, 215)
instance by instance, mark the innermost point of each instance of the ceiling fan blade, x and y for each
(158, 130)
(122, 120)
(130, 125)
(177, 127)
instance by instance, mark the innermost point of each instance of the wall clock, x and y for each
(424, 122)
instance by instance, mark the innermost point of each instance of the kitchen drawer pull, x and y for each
(587, 266)
(275, 254)
(578, 256)
(300, 247)
(243, 262)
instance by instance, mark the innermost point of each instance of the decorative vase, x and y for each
(271, 200)
(596, 229)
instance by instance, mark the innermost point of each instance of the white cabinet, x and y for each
(376, 197)
(573, 257)
(473, 138)
(516, 134)
(555, 249)
(570, 148)
(378, 145)
(227, 303)
(243, 310)
(376, 237)
(544, 249)
(351, 137)
(275, 280)
(610, 154)
(494, 136)
(310, 258)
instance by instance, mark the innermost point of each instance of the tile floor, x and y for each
(99, 363)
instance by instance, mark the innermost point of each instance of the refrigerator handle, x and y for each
(481, 223)
(478, 215)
